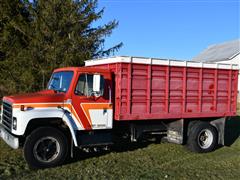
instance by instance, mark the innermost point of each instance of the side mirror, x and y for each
(96, 82)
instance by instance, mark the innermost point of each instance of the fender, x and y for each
(24, 117)
(67, 118)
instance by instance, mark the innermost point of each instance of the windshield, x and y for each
(60, 81)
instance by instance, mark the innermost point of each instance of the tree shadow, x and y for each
(232, 130)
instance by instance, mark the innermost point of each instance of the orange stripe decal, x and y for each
(87, 106)
(37, 105)
(69, 106)
(85, 121)
(72, 110)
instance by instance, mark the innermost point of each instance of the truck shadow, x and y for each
(232, 133)
(232, 130)
(80, 154)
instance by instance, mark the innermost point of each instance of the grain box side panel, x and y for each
(224, 82)
(208, 91)
(193, 90)
(176, 76)
(159, 89)
(123, 88)
(139, 83)
(145, 91)
(234, 92)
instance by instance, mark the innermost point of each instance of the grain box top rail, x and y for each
(156, 61)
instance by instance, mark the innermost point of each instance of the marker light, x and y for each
(22, 107)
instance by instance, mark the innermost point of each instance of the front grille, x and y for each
(7, 115)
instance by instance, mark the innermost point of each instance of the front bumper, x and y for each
(11, 140)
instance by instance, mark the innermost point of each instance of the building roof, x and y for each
(219, 52)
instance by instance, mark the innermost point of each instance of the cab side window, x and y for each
(85, 86)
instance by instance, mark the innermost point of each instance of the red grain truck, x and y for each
(121, 98)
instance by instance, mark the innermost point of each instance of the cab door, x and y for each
(93, 109)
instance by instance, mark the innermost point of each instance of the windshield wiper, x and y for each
(59, 90)
(52, 87)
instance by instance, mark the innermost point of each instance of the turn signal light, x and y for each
(14, 124)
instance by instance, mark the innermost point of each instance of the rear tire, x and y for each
(45, 147)
(202, 137)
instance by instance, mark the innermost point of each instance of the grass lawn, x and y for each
(153, 161)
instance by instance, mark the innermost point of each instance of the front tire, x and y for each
(45, 147)
(202, 137)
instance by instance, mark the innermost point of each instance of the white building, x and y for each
(227, 52)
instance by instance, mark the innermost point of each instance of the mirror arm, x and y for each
(86, 78)
(110, 94)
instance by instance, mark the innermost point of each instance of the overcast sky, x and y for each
(178, 29)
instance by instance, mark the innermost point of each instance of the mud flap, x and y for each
(219, 124)
(175, 132)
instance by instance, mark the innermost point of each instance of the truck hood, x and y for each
(46, 96)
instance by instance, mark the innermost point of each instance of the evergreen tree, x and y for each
(46, 35)
(14, 26)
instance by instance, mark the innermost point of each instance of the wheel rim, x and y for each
(46, 149)
(205, 139)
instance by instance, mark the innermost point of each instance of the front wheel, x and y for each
(45, 147)
(202, 137)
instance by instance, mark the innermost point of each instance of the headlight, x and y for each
(14, 123)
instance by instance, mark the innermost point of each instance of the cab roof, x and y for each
(79, 69)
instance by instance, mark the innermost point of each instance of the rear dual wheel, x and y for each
(45, 147)
(202, 137)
